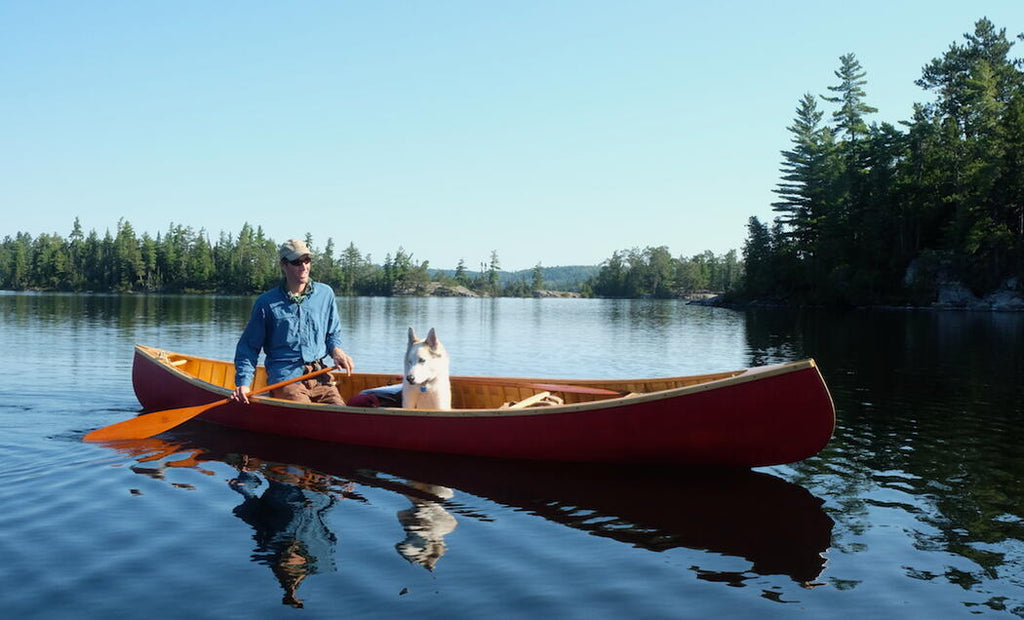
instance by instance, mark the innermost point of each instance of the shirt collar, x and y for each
(301, 296)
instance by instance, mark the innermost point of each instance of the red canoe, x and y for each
(759, 416)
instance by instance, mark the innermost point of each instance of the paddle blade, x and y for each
(149, 424)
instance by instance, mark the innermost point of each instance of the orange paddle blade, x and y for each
(149, 424)
(157, 422)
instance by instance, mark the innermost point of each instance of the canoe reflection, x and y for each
(779, 527)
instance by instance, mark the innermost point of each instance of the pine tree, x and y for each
(461, 275)
(492, 273)
(538, 278)
(803, 191)
(976, 85)
(351, 270)
(849, 117)
(758, 259)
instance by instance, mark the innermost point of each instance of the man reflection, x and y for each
(426, 524)
(292, 536)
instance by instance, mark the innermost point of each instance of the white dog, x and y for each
(426, 384)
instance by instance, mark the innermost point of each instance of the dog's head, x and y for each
(425, 359)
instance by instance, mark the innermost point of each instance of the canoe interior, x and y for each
(467, 392)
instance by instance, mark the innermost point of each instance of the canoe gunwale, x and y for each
(161, 358)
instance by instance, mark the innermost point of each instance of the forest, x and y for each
(866, 213)
(185, 260)
(872, 213)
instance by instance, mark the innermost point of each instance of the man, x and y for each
(297, 326)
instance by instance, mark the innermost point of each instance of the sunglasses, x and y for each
(298, 261)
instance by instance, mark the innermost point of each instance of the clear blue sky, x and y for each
(553, 132)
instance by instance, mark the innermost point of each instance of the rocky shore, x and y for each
(436, 289)
(954, 295)
(949, 296)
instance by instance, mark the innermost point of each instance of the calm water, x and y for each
(914, 509)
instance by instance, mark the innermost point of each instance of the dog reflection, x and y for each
(289, 519)
(426, 523)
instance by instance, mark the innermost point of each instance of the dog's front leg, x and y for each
(410, 397)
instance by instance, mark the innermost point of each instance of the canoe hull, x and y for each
(780, 417)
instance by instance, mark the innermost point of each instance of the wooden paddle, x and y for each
(157, 422)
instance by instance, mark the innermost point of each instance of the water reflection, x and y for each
(426, 523)
(288, 516)
(928, 435)
(777, 526)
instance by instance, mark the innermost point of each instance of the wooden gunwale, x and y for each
(213, 376)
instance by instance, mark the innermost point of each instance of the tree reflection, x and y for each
(928, 430)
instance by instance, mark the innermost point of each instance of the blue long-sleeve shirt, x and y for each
(290, 334)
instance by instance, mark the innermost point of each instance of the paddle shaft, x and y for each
(157, 422)
(279, 384)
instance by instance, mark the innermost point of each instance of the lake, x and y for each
(915, 508)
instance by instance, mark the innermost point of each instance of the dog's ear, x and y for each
(412, 336)
(432, 339)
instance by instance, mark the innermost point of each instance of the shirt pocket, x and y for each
(312, 330)
(286, 325)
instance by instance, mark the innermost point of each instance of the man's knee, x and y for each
(302, 393)
(327, 394)
(295, 392)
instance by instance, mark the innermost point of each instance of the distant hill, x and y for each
(569, 278)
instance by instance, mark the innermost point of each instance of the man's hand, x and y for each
(343, 360)
(241, 394)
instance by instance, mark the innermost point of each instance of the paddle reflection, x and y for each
(779, 527)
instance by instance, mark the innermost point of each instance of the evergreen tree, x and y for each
(201, 267)
(325, 266)
(758, 257)
(806, 176)
(94, 261)
(351, 270)
(150, 276)
(1009, 188)
(538, 278)
(610, 280)
(49, 263)
(976, 84)
(127, 265)
(949, 75)
(76, 242)
(492, 273)
(849, 117)
(461, 276)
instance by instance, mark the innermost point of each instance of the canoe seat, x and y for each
(540, 399)
(166, 359)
